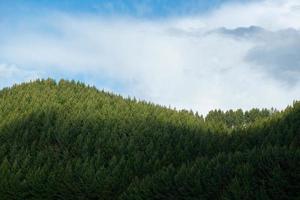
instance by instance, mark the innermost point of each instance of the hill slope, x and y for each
(68, 141)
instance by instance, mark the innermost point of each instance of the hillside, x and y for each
(66, 140)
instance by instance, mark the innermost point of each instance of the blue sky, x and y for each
(195, 54)
(135, 8)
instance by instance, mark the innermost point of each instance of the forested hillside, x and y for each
(66, 140)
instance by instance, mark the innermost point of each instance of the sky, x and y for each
(196, 54)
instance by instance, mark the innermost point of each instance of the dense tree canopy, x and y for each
(66, 140)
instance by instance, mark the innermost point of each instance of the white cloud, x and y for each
(270, 14)
(10, 74)
(171, 62)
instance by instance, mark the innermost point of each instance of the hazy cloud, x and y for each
(10, 74)
(276, 52)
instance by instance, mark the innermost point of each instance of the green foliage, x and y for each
(66, 140)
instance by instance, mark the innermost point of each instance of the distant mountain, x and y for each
(65, 140)
(258, 33)
(242, 32)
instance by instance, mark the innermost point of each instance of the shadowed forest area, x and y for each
(66, 140)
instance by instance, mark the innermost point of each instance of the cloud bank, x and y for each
(185, 62)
